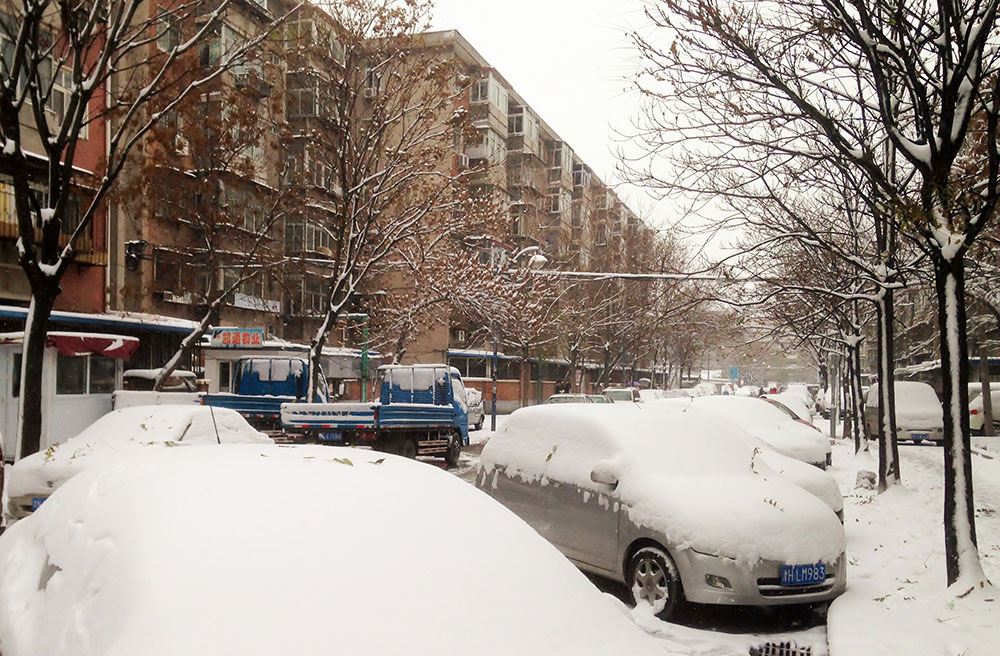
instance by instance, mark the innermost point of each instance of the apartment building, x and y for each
(200, 193)
(556, 203)
(84, 283)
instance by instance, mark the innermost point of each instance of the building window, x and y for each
(481, 91)
(214, 49)
(168, 30)
(515, 124)
(302, 96)
(71, 374)
(102, 375)
(225, 375)
(15, 376)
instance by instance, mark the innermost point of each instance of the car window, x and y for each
(573, 455)
(459, 388)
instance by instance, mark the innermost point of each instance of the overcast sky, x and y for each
(570, 60)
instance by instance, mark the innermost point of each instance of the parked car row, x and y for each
(706, 500)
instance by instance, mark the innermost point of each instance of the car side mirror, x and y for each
(605, 472)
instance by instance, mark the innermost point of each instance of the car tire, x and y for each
(479, 424)
(653, 580)
(454, 453)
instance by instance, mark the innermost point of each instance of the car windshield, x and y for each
(784, 408)
(568, 398)
(618, 394)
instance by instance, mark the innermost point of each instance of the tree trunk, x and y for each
(961, 552)
(857, 402)
(185, 348)
(32, 359)
(984, 379)
(888, 452)
(846, 371)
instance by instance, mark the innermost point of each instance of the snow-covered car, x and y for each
(818, 482)
(569, 398)
(767, 422)
(804, 392)
(623, 394)
(748, 390)
(33, 478)
(793, 404)
(629, 495)
(206, 551)
(650, 394)
(976, 416)
(476, 411)
(919, 415)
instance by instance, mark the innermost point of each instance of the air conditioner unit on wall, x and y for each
(463, 160)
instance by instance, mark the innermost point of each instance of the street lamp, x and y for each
(536, 261)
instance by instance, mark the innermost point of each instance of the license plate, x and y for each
(803, 574)
(331, 436)
(921, 436)
(36, 502)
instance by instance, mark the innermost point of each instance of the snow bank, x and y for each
(897, 601)
(128, 430)
(297, 550)
(678, 475)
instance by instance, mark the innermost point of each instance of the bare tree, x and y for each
(203, 182)
(813, 75)
(99, 61)
(373, 106)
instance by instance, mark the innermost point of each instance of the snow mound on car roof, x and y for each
(127, 430)
(679, 473)
(290, 550)
(766, 422)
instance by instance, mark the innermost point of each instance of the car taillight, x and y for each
(973, 412)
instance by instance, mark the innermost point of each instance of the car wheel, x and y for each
(654, 581)
(479, 424)
(454, 452)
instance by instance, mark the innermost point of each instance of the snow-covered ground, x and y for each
(896, 601)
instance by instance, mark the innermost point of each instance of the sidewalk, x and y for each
(897, 602)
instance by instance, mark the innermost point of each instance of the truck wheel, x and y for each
(654, 581)
(454, 452)
(408, 448)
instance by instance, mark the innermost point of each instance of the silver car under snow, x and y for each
(629, 495)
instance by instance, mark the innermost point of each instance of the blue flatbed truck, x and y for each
(421, 410)
(261, 385)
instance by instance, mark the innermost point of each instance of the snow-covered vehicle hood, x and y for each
(125, 431)
(748, 517)
(199, 551)
(796, 441)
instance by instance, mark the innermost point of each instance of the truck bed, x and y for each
(397, 416)
(251, 407)
(328, 416)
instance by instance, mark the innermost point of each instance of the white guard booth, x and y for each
(80, 372)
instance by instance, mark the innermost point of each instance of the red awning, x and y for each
(119, 347)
